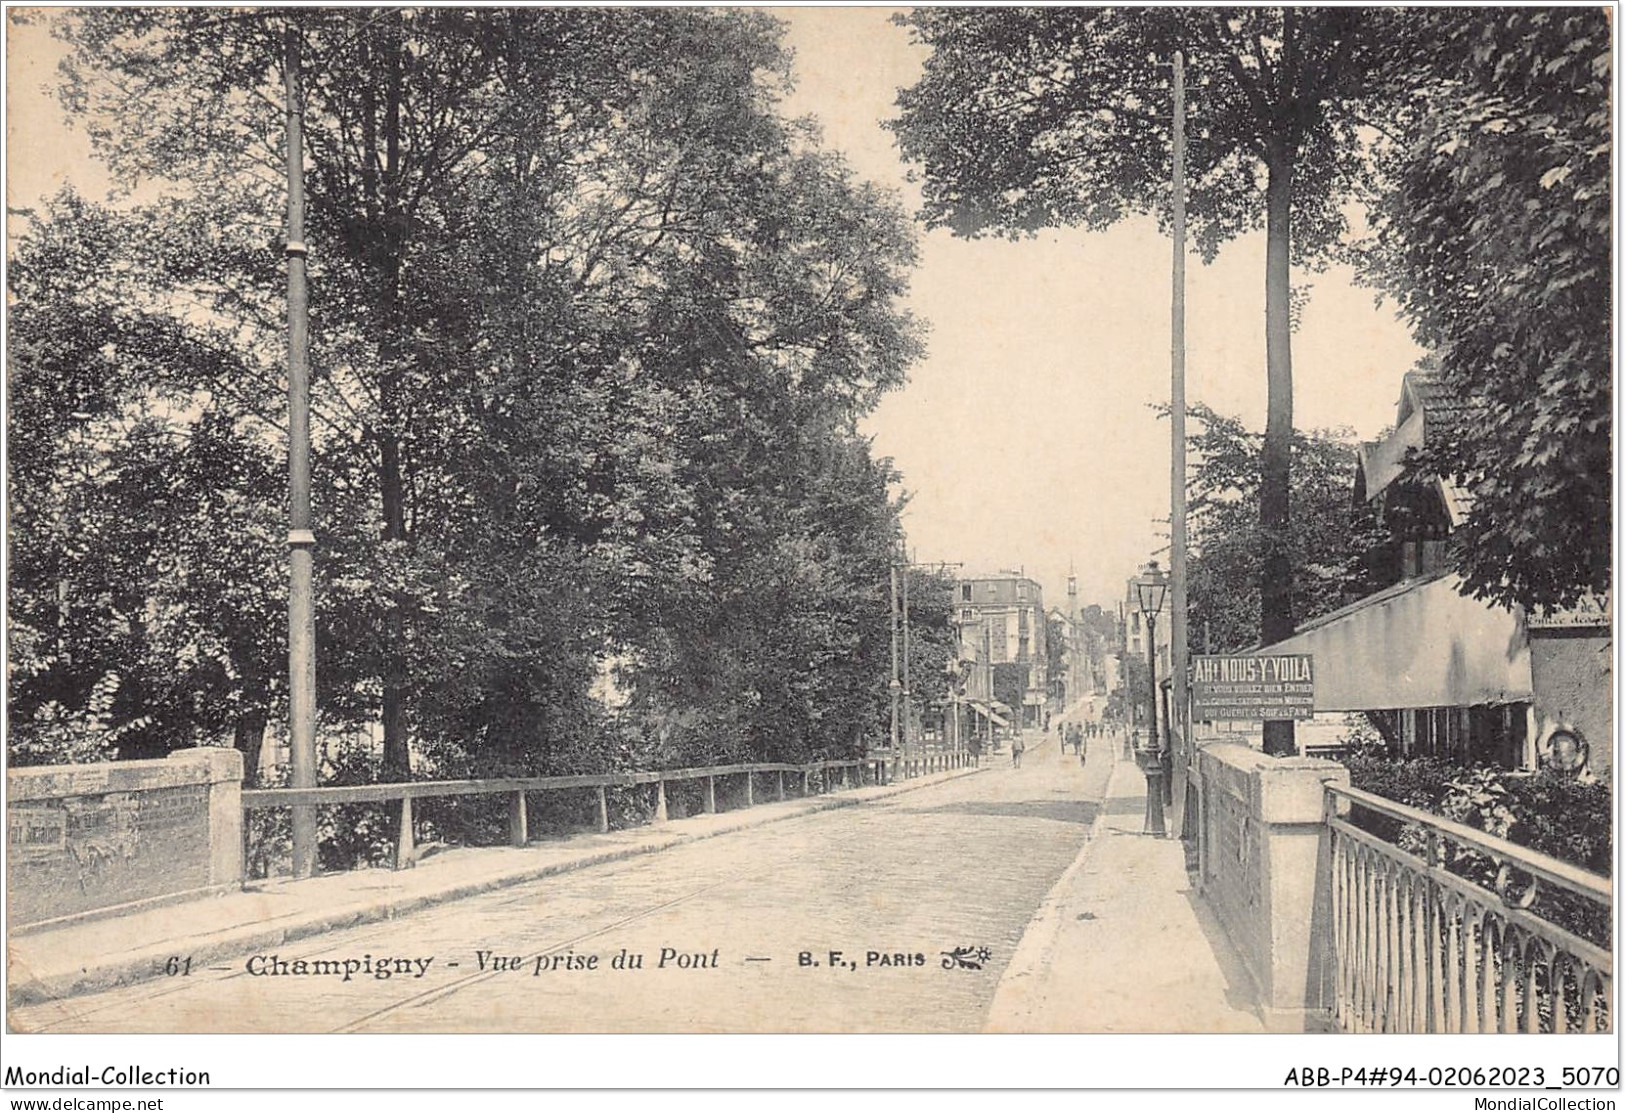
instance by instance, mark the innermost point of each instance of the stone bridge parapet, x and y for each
(88, 840)
(1263, 869)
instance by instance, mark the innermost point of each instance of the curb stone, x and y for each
(1038, 942)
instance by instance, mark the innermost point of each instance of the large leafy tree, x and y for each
(933, 636)
(419, 123)
(1100, 637)
(143, 569)
(1010, 679)
(1493, 233)
(1055, 648)
(593, 326)
(1036, 117)
(1132, 697)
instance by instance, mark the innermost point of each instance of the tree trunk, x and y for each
(397, 752)
(1275, 588)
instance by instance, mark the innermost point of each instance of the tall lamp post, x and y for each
(907, 725)
(896, 686)
(301, 541)
(1150, 590)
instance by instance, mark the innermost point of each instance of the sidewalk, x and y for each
(1123, 943)
(56, 963)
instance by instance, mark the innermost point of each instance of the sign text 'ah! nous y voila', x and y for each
(1231, 687)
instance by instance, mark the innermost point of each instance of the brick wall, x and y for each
(81, 839)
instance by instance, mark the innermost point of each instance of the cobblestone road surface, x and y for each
(735, 934)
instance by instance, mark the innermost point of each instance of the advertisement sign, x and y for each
(1244, 686)
(1588, 611)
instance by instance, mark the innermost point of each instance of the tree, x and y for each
(1100, 637)
(1336, 546)
(933, 647)
(1037, 117)
(1056, 644)
(419, 122)
(145, 544)
(593, 328)
(1493, 234)
(1131, 701)
(1010, 680)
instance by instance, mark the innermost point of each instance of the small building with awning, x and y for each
(1436, 671)
(996, 712)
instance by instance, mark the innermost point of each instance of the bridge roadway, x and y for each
(747, 924)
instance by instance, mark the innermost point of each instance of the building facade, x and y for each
(1001, 622)
(1136, 632)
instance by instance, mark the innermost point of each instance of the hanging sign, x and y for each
(1231, 687)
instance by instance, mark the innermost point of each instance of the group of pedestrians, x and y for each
(1079, 735)
(1074, 736)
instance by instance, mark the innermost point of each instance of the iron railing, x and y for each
(875, 768)
(1422, 948)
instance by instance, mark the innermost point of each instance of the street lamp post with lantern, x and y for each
(1149, 590)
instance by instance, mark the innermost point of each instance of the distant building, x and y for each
(1001, 621)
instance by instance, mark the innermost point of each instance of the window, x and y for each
(964, 593)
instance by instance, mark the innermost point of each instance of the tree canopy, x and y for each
(1031, 118)
(1493, 231)
(592, 326)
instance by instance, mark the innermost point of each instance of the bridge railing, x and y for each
(875, 768)
(1421, 948)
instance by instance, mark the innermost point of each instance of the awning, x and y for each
(1418, 644)
(987, 712)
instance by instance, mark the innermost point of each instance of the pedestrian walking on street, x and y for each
(1016, 748)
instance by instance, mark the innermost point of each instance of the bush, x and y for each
(1547, 812)
(349, 836)
(1419, 783)
(1565, 818)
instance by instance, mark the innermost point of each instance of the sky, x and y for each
(1026, 436)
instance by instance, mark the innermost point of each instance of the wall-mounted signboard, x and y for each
(1244, 686)
(1588, 611)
